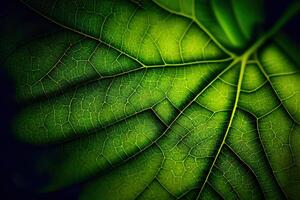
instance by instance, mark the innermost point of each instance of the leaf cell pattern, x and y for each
(150, 100)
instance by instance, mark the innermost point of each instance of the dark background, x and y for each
(16, 158)
(17, 177)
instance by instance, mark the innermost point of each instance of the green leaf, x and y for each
(231, 22)
(147, 100)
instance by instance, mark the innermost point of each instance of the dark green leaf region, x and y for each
(163, 99)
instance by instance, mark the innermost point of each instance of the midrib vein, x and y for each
(286, 16)
(243, 60)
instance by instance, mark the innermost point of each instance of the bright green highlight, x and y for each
(161, 100)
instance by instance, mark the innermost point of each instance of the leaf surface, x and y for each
(161, 100)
